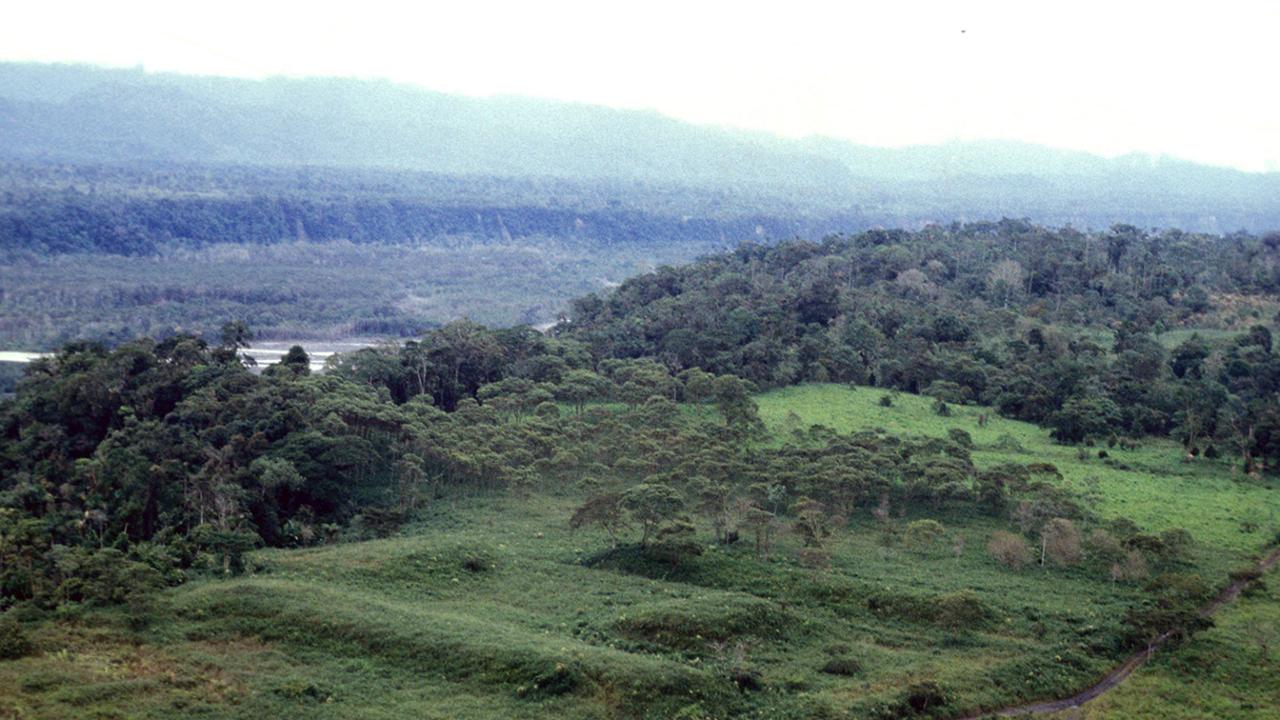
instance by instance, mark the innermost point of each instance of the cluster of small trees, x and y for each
(1120, 550)
(818, 481)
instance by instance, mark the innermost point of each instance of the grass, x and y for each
(491, 607)
(1229, 515)
(1171, 339)
(1221, 673)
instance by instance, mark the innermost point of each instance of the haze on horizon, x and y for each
(1189, 82)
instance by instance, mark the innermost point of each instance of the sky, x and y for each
(1190, 80)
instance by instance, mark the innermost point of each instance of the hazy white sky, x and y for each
(1195, 80)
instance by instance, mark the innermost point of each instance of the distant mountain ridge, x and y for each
(83, 114)
(90, 114)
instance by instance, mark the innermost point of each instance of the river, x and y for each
(268, 353)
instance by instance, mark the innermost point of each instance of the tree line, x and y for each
(1057, 327)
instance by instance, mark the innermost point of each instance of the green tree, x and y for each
(651, 504)
(924, 535)
(581, 386)
(1171, 609)
(296, 361)
(606, 510)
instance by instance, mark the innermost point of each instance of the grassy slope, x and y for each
(1157, 490)
(401, 627)
(1220, 674)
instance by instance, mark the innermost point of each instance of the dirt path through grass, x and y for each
(1122, 671)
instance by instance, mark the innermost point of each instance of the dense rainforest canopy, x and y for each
(1053, 326)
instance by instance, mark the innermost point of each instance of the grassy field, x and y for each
(1228, 514)
(1229, 671)
(492, 607)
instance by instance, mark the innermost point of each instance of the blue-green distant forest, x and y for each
(134, 203)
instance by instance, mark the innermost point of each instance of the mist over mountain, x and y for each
(81, 113)
(85, 113)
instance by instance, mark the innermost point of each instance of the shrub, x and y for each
(14, 642)
(696, 624)
(1104, 546)
(675, 542)
(140, 610)
(1009, 550)
(923, 535)
(886, 401)
(1061, 542)
(1172, 607)
(1044, 468)
(961, 610)
(1177, 542)
(302, 691)
(842, 666)
(951, 611)
(1149, 545)
(101, 577)
(228, 546)
(1131, 569)
(381, 522)
(1123, 528)
(814, 558)
(1008, 443)
(922, 697)
(960, 437)
(560, 680)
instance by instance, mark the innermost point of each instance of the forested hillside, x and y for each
(1048, 325)
(611, 522)
(88, 115)
(682, 544)
(1056, 327)
(145, 209)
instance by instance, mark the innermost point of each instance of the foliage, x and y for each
(1171, 609)
(1061, 541)
(604, 510)
(651, 504)
(14, 642)
(1009, 550)
(923, 536)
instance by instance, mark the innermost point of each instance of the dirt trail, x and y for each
(1122, 671)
